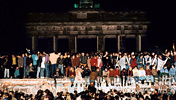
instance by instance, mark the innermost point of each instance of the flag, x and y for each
(173, 46)
(161, 63)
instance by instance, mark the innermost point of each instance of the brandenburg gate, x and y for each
(87, 20)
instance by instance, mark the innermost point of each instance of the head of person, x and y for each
(141, 68)
(124, 70)
(98, 57)
(92, 83)
(135, 67)
(106, 69)
(59, 53)
(111, 68)
(147, 67)
(97, 69)
(141, 98)
(173, 66)
(87, 54)
(11, 93)
(30, 64)
(77, 55)
(154, 67)
(40, 54)
(117, 68)
(86, 68)
(128, 55)
(82, 53)
(133, 56)
(61, 56)
(73, 56)
(141, 56)
(147, 55)
(72, 69)
(95, 56)
(165, 67)
(155, 91)
(29, 56)
(22, 55)
(57, 70)
(13, 56)
(44, 52)
(106, 53)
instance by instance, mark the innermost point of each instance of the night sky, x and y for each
(13, 14)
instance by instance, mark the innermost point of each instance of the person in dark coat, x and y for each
(107, 62)
(39, 61)
(2, 67)
(57, 74)
(7, 67)
(86, 74)
(28, 62)
(92, 87)
(31, 72)
(67, 64)
(123, 76)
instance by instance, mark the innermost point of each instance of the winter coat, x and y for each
(28, 61)
(133, 62)
(67, 62)
(60, 61)
(20, 62)
(93, 76)
(98, 73)
(83, 59)
(112, 73)
(86, 72)
(93, 62)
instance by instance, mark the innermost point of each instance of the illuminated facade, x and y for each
(85, 21)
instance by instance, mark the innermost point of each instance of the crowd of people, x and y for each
(111, 67)
(89, 94)
(93, 68)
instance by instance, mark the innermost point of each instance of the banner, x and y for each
(161, 63)
(30, 89)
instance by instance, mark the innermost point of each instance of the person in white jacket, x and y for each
(42, 71)
(136, 74)
(147, 60)
(122, 63)
(142, 74)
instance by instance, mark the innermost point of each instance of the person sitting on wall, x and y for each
(31, 72)
(57, 74)
(17, 73)
(164, 71)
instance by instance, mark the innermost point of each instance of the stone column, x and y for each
(34, 43)
(76, 44)
(55, 44)
(138, 43)
(97, 43)
(118, 42)
(101, 43)
(72, 44)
